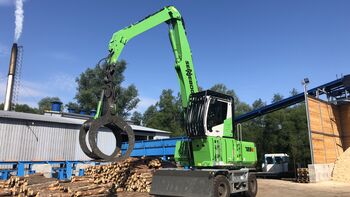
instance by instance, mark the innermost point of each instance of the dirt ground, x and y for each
(271, 188)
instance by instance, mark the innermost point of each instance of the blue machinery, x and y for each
(162, 148)
(60, 169)
(338, 89)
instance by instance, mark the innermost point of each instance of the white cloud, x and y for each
(30, 93)
(144, 103)
(64, 82)
(33, 89)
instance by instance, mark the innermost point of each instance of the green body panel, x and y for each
(228, 128)
(215, 152)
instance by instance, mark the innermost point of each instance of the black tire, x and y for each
(221, 186)
(252, 186)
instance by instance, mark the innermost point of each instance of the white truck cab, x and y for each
(275, 163)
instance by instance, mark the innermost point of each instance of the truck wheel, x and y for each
(221, 187)
(252, 186)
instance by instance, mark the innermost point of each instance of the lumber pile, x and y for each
(303, 175)
(130, 175)
(38, 185)
(341, 171)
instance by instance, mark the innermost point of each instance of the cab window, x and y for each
(216, 113)
(269, 160)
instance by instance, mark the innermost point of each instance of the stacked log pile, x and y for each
(130, 175)
(38, 185)
(105, 180)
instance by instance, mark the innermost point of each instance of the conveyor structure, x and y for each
(338, 90)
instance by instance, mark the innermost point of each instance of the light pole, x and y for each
(305, 82)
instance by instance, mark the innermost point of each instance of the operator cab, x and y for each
(209, 113)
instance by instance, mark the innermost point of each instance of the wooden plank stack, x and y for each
(130, 175)
(326, 129)
(303, 175)
(344, 114)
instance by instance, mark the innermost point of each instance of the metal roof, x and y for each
(63, 120)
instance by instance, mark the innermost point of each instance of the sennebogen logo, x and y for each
(189, 75)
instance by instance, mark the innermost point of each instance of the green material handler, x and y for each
(215, 160)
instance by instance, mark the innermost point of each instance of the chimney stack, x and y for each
(11, 78)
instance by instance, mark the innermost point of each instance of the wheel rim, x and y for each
(222, 190)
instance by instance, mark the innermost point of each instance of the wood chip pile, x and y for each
(38, 185)
(130, 175)
(341, 171)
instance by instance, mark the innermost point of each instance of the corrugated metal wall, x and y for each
(32, 140)
(36, 140)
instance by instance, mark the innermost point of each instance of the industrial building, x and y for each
(54, 136)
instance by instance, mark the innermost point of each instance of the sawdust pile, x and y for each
(341, 171)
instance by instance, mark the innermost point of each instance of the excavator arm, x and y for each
(181, 48)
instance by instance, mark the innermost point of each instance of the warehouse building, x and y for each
(54, 136)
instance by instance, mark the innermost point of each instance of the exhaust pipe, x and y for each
(11, 77)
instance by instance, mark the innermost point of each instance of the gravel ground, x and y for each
(268, 187)
(271, 188)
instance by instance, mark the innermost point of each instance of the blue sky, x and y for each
(257, 48)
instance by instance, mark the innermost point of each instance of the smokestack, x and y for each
(11, 77)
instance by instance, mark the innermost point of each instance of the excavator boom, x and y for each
(178, 39)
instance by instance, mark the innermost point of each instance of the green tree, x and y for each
(90, 84)
(73, 105)
(293, 92)
(282, 131)
(148, 115)
(22, 108)
(277, 97)
(221, 88)
(136, 118)
(166, 114)
(258, 104)
(239, 107)
(25, 108)
(45, 103)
